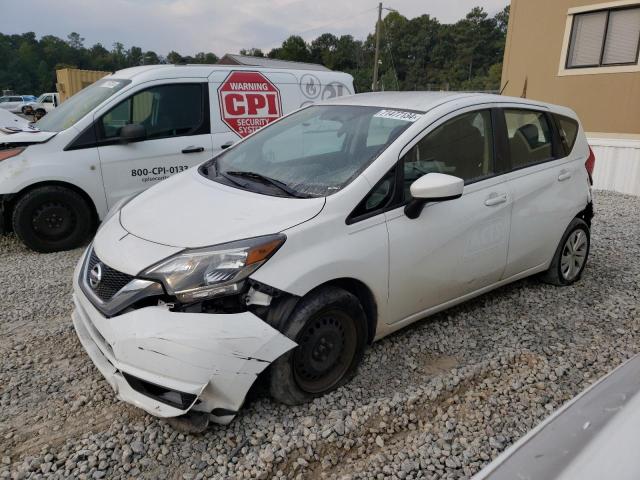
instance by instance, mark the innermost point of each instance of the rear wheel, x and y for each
(329, 327)
(571, 255)
(52, 218)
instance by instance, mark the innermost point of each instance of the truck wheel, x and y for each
(25, 110)
(329, 327)
(52, 219)
(571, 255)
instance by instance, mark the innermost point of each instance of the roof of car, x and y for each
(422, 101)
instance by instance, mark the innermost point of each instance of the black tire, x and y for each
(320, 322)
(39, 113)
(555, 274)
(52, 218)
(25, 110)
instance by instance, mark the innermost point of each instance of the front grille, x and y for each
(112, 280)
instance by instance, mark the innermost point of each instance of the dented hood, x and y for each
(25, 137)
(190, 211)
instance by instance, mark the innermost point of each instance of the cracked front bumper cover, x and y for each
(170, 363)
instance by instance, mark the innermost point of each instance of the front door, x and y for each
(454, 247)
(176, 120)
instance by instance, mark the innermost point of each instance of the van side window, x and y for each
(568, 129)
(462, 147)
(529, 136)
(164, 111)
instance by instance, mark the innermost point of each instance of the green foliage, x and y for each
(28, 65)
(416, 54)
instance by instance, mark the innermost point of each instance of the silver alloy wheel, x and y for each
(574, 254)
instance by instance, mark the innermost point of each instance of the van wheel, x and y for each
(329, 327)
(571, 255)
(52, 219)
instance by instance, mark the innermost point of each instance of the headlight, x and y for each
(203, 273)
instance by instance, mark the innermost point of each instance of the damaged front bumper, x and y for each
(170, 363)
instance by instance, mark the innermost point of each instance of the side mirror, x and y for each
(132, 133)
(433, 187)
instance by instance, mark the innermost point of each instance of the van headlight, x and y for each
(199, 274)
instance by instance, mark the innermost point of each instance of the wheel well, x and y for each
(586, 214)
(366, 298)
(10, 202)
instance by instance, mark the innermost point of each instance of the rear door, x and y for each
(176, 119)
(546, 187)
(458, 246)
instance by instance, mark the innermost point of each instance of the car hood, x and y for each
(190, 211)
(24, 136)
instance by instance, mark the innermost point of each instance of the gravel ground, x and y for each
(439, 399)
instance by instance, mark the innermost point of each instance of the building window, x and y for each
(605, 38)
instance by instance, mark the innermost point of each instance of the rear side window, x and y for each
(164, 111)
(530, 140)
(568, 129)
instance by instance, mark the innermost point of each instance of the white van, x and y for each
(132, 129)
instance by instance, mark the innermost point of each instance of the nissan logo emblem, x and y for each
(95, 276)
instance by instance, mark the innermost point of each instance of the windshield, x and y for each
(312, 153)
(76, 107)
(41, 97)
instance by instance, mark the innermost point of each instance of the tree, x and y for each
(252, 52)
(174, 58)
(75, 41)
(294, 48)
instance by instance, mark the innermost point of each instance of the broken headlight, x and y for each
(204, 273)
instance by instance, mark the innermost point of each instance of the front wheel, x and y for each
(329, 327)
(52, 218)
(571, 255)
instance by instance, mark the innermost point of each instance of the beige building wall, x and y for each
(533, 67)
(71, 80)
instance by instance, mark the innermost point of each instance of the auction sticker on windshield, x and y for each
(398, 115)
(248, 101)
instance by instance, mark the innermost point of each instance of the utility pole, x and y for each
(374, 85)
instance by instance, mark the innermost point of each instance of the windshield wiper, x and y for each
(264, 179)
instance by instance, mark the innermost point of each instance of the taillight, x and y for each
(590, 165)
(12, 152)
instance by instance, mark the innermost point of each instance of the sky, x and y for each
(219, 26)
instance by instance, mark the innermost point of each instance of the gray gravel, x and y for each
(438, 400)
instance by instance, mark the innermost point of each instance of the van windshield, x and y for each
(76, 107)
(312, 153)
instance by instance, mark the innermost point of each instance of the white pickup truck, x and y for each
(43, 104)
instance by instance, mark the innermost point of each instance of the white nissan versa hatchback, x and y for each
(322, 232)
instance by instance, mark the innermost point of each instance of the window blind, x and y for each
(586, 39)
(623, 34)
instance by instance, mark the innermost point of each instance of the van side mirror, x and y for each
(133, 133)
(433, 187)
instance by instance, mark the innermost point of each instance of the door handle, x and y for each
(193, 149)
(564, 175)
(226, 145)
(495, 199)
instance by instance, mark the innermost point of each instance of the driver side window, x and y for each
(462, 147)
(164, 111)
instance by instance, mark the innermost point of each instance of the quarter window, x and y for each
(529, 137)
(164, 111)
(568, 129)
(604, 38)
(462, 147)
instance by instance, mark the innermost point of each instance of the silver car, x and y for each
(16, 103)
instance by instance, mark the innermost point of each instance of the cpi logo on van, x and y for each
(248, 101)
